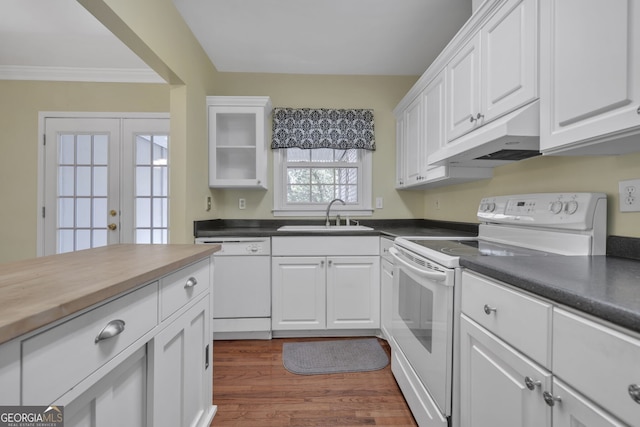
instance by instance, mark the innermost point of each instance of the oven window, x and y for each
(415, 307)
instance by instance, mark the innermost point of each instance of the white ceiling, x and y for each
(370, 37)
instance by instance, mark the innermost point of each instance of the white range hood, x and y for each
(515, 136)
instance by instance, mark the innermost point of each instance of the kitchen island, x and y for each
(119, 333)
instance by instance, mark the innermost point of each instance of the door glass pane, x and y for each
(82, 218)
(152, 189)
(83, 150)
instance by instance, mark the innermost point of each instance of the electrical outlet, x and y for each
(437, 204)
(207, 203)
(242, 203)
(379, 203)
(629, 195)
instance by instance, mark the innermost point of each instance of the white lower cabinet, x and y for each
(118, 399)
(142, 359)
(314, 291)
(589, 379)
(181, 360)
(493, 382)
(326, 292)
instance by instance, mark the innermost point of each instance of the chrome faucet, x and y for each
(327, 223)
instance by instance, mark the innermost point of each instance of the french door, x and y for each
(105, 181)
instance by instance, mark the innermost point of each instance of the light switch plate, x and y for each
(379, 203)
(629, 195)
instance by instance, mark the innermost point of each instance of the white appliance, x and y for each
(427, 271)
(241, 287)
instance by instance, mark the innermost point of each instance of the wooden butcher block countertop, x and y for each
(38, 291)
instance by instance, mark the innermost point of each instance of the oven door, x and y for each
(422, 324)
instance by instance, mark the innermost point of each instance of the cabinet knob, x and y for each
(634, 392)
(531, 383)
(472, 119)
(488, 310)
(638, 110)
(550, 399)
(479, 116)
(191, 282)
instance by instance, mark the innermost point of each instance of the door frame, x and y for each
(42, 115)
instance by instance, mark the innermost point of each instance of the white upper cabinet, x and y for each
(463, 90)
(238, 141)
(496, 71)
(590, 76)
(413, 142)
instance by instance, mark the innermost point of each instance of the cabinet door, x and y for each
(182, 370)
(575, 410)
(118, 399)
(434, 124)
(298, 293)
(463, 90)
(237, 144)
(386, 296)
(400, 153)
(510, 58)
(353, 292)
(413, 141)
(492, 383)
(590, 63)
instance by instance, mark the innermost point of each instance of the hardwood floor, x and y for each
(252, 388)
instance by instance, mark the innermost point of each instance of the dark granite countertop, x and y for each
(392, 228)
(603, 286)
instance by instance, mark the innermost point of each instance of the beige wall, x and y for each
(381, 94)
(544, 174)
(20, 103)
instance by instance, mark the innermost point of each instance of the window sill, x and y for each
(323, 212)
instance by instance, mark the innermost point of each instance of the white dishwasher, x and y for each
(241, 287)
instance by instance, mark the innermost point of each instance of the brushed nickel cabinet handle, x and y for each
(113, 328)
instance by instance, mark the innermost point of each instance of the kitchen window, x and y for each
(306, 180)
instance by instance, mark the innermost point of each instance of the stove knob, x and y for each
(571, 207)
(491, 207)
(555, 207)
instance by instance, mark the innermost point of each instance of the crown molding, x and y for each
(75, 74)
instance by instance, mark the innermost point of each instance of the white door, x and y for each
(353, 292)
(463, 90)
(575, 410)
(590, 63)
(493, 391)
(413, 141)
(105, 181)
(510, 58)
(298, 293)
(182, 369)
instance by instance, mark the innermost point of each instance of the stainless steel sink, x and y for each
(324, 228)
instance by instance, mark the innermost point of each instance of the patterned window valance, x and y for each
(323, 128)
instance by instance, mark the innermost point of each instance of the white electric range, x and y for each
(427, 270)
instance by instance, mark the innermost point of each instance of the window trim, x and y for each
(280, 208)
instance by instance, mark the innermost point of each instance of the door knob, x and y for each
(112, 226)
(113, 212)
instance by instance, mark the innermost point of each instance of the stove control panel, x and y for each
(574, 211)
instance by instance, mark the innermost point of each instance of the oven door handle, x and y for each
(438, 276)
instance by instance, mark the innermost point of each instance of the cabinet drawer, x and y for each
(522, 321)
(598, 361)
(180, 287)
(59, 358)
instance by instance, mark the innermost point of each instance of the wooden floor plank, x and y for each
(252, 388)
